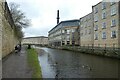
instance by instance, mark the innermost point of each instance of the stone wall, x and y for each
(107, 29)
(87, 30)
(8, 38)
(0, 31)
(0, 39)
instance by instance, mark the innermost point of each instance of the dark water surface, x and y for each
(67, 64)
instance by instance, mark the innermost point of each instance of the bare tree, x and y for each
(19, 19)
(18, 16)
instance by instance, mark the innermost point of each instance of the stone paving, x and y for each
(15, 66)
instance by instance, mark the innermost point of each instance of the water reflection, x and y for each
(47, 70)
(66, 64)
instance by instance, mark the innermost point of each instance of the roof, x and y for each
(35, 37)
(67, 23)
(96, 4)
(86, 15)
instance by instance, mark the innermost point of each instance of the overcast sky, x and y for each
(43, 13)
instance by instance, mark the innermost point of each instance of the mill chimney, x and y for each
(58, 16)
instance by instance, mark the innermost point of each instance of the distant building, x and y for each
(86, 30)
(63, 33)
(40, 40)
(107, 24)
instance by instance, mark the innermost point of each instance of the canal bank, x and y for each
(33, 62)
(105, 52)
(57, 63)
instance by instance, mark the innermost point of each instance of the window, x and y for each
(95, 10)
(64, 37)
(113, 34)
(113, 23)
(104, 35)
(103, 5)
(68, 42)
(112, 3)
(73, 37)
(85, 32)
(113, 10)
(89, 31)
(95, 18)
(81, 28)
(65, 31)
(96, 28)
(81, 34)
(73, 42)
(73, 30)
(68, 31)
(89, 24)
(63, 43)
(103, 15)
(103, 25)
(96, 36)
(85, 25)
(68, 38)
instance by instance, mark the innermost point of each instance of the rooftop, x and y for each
(73, 22)
(35, 37)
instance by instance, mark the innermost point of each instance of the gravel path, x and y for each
(16, 66)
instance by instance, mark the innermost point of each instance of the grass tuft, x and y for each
(34, 63)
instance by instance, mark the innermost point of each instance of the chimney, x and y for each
(58, 16)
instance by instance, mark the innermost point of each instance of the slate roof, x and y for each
(74, 22)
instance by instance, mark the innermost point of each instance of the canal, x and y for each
(66, 64)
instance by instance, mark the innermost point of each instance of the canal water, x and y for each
(66, 64)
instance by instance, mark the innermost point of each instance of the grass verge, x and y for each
(33, 62)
